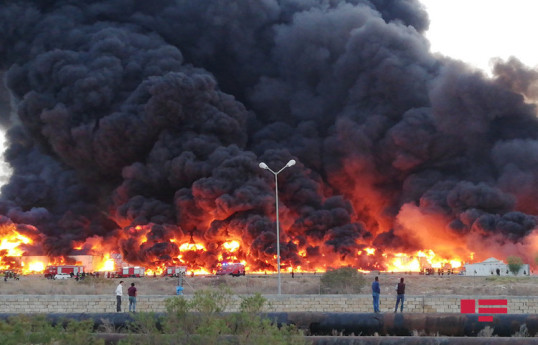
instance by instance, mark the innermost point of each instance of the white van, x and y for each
(62, 276)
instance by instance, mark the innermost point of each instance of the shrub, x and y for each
(200, 321)
(514, 264)
(211, 301)
(36, 329)
(343, 280)
(252, 304)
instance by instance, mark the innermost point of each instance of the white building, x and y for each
(495, 267)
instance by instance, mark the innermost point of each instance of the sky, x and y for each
(475, 31)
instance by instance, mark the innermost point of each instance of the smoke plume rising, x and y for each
(140, 125)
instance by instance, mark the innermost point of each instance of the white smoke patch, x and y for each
(5, 169)
(6, 114)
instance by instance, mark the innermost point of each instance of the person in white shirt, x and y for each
(119, 293)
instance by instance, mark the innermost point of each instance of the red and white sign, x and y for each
(485, 306)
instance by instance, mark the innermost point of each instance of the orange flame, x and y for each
(231, 246)
(11, 242)
(191, 246)
(107, 265)
(402, 262)
(202, 256)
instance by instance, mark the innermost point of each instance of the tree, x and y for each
(342, 280)
(514, 264)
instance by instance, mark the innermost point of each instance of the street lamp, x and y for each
(264, 166)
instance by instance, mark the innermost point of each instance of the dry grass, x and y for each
(268, 284)
(37, 285)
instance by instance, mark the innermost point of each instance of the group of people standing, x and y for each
(376, 291)
(131, 291)
(400, 295)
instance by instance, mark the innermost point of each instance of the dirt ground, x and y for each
(268, 284)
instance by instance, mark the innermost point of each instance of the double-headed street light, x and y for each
(264, 166)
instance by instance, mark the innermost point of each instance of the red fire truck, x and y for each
(175, 271)
(233, 269)
(51, 271)
(130, 272)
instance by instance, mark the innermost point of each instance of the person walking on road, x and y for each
(375, 294)
(400, 294)
(119, 293)
(132, 298)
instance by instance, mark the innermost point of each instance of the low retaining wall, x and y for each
(276, 303)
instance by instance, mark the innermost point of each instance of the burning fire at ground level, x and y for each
(38, 264)
(192, 254)
(201, 257)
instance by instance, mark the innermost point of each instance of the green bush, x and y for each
(211, 301)
(252, 304)
(514, 264)
(344, 280)
(36, 329)
(200, 321)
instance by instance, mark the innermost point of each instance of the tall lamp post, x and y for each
(264, 166)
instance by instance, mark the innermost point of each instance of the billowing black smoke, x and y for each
(158, 113)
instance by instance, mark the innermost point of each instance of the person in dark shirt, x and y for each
(400, 293)
(132, 298)
(375, 294)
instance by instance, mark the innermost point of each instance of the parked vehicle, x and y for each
(71, 270)
(62, 276)
(130, 272)
(233, 269)
(175, 271)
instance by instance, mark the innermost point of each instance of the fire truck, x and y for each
(130, 272)
(175, 271)
(51, 271)
(233, 269)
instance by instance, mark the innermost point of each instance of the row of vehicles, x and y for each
(68, 271)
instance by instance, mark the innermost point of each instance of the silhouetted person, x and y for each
(375, 294)
(400, 295)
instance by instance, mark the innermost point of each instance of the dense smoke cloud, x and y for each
(143, 124)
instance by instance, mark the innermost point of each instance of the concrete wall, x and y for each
(283, 303)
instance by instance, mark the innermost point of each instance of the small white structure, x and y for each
(493, 267)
